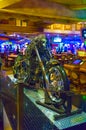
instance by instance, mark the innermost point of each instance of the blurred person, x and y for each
(0, 63)
(17, 50)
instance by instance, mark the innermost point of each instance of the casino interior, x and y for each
(42, 64)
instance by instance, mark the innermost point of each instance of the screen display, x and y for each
(78, 61)
(84, 33)
(57, 39)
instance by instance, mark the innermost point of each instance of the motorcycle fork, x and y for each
(42, 67)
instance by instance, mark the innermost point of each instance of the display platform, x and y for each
(37, 117)
(64, 123)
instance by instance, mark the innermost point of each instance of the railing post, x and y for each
(20, 101)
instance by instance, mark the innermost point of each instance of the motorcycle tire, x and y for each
(58, 81)
(61, 75)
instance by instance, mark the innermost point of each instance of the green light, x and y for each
(84, 97)
(85, 43)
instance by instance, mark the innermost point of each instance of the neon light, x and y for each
(84, 97)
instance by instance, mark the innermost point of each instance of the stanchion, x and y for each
(20, 98)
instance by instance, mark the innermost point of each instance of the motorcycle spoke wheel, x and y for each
(56, 79)
(57, 82)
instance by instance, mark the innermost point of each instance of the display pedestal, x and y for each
(36, 117)
(75, 121)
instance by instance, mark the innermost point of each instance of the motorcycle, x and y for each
(39, 66)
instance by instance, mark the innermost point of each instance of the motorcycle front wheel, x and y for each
(58, 81)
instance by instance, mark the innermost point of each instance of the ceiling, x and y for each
(44, 11)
